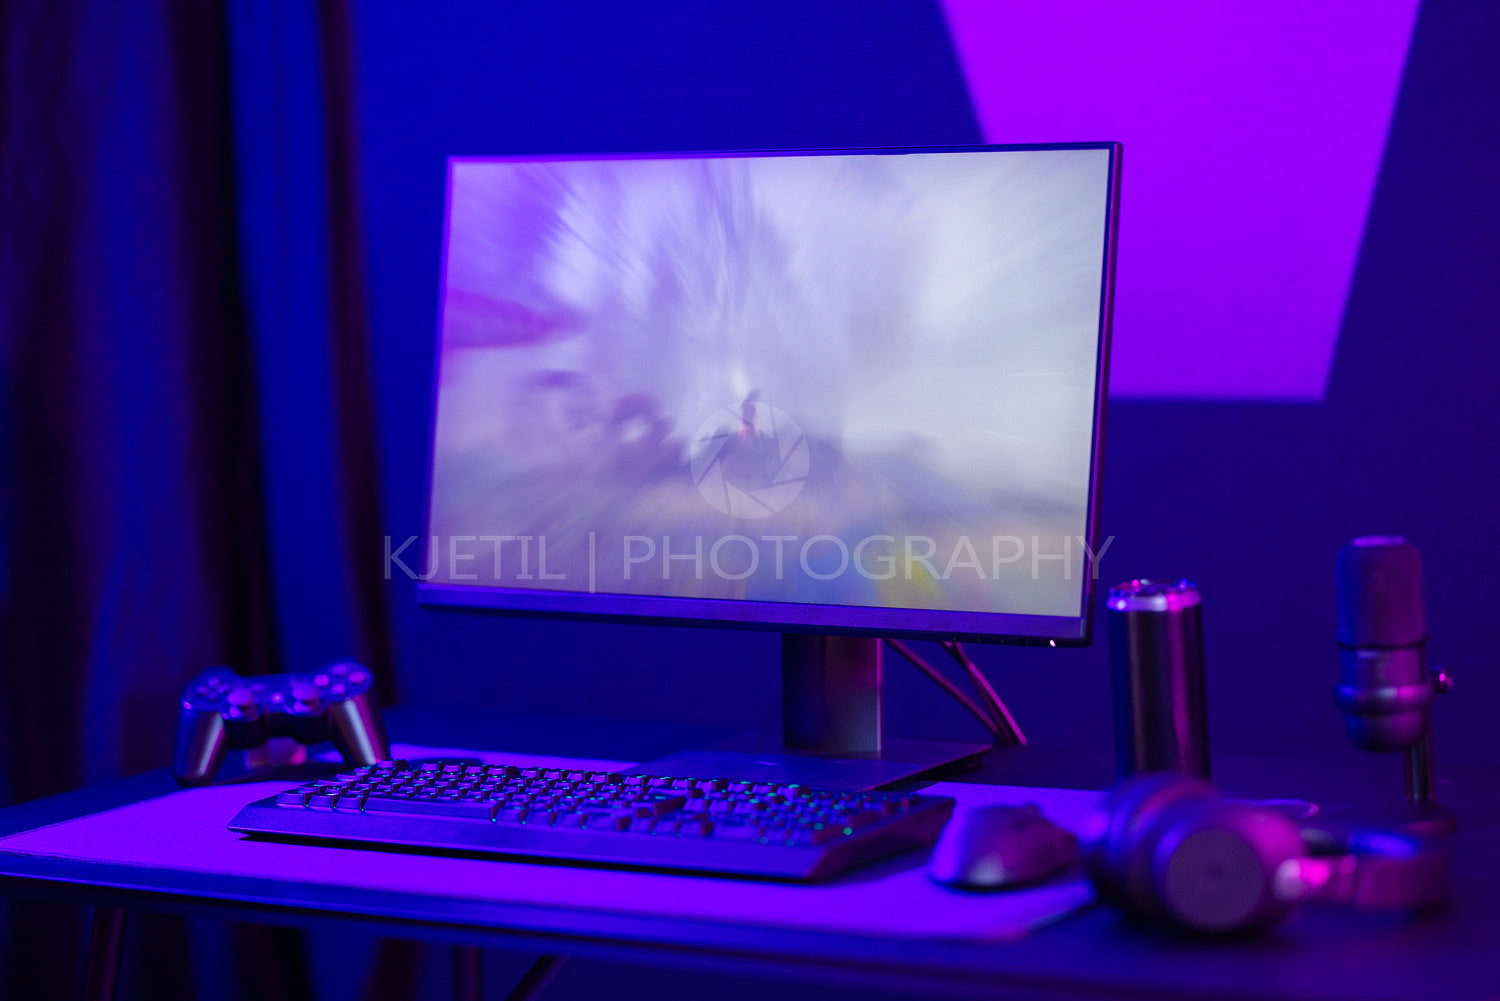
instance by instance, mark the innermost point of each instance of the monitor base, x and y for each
(763, 760)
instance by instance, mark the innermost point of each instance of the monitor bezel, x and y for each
(993, 627)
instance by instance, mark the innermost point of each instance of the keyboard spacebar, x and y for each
(451, 808)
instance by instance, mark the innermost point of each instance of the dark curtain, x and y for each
(135, 546)
(134, 535)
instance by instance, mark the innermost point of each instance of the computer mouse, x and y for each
(999, 846)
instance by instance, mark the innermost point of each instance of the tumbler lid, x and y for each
(1148, 594)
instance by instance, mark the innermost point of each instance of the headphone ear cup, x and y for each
(1114, 829)
(1211, 865)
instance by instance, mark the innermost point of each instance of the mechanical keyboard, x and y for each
(715, 826)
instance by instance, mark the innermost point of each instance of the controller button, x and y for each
(321, 681)
(357, 677)
(241, 697)
(338, 689)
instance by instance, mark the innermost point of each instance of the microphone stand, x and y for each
(1424, 814)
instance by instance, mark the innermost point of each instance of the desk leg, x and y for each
(106, 942)
(468, 973)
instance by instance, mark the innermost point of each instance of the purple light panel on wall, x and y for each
(1253, 134)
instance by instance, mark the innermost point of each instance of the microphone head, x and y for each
(1380, 593)
(1382, 624)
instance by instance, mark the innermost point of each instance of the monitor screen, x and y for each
(846, 391)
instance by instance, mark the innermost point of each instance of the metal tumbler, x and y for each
(1156, 655)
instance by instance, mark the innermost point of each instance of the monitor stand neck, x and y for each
(830, 694)
(831, 735)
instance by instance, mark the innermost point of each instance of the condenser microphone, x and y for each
(1384, 687)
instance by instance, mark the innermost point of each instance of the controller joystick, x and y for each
(221, 710)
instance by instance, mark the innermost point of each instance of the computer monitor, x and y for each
(837, 393)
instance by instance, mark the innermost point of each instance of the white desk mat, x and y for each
(186, 832)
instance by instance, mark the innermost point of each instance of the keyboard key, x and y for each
(819, 835)
(293, 797)
(606, 821)
(660, 804)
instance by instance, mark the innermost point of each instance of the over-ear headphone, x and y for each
(1171, 849)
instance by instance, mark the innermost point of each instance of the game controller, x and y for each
(221, 710)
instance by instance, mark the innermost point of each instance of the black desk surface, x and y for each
(1453, 954)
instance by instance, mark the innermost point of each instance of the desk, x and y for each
(1451, 955)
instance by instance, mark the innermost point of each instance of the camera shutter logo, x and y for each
(750, 464)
